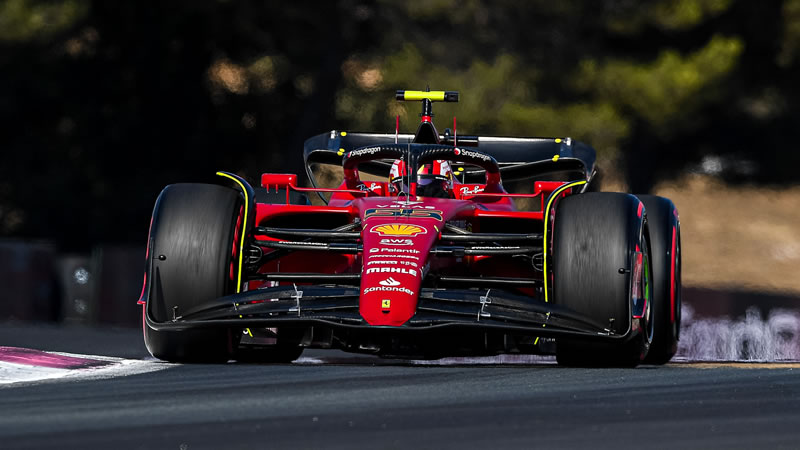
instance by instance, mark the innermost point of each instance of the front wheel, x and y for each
(191, 256)
(602, 270)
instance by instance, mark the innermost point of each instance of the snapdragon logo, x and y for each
(471, 154)
(364, 151)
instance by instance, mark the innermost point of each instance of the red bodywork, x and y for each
(366, 268)
(397, 237)
(428, 264)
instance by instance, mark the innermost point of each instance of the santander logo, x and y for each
(389, 282)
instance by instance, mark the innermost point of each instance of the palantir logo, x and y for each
(389, 282)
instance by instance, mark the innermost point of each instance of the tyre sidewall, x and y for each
(662, 220)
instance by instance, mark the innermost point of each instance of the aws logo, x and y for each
(398, 229)
(395, 241)
(404, 212)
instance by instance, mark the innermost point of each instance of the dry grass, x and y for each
(737, 237)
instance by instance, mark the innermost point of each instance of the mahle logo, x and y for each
(411, 272)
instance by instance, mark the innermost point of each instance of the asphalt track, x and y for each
(335, 400)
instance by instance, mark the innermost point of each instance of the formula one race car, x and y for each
(428, 255)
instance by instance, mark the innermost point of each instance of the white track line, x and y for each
(13, 373)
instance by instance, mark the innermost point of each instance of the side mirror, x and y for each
(278, 180)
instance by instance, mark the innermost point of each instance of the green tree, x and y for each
(104, 103)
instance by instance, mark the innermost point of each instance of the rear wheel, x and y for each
(665, 237)
(192, 250)
(602, 270)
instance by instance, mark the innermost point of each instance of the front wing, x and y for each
(336, 307)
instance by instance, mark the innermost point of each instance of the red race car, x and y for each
(427, 256)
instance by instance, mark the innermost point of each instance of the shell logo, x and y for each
(398, 229)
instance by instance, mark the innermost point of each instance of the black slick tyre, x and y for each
(191, 250)
(665, 239)
(599, 241)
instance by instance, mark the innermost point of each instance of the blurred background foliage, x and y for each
(103, 103)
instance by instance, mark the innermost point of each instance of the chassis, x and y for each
(260, 273)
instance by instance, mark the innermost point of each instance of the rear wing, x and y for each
(518, 158)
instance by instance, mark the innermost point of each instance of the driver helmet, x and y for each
(434, 179)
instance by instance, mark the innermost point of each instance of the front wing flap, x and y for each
(337, 307)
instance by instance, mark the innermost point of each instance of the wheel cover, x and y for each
(647, 287)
